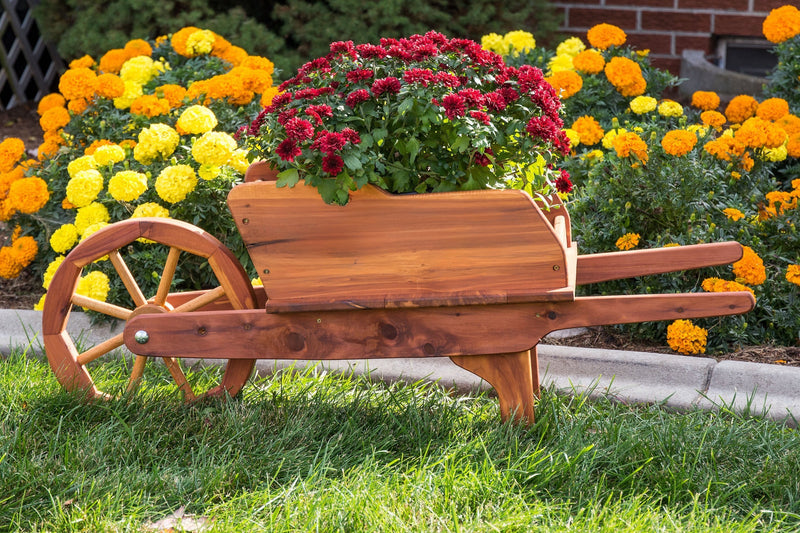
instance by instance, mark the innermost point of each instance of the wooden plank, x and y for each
(384, 250)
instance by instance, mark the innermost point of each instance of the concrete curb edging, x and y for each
(677, 382)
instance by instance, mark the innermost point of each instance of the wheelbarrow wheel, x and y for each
(234, 291)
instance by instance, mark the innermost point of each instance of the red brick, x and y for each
(664, 63)
(676, 21)
(561, 16)
(721, 5)
(738, 25)
(586, 17)
(641, 3)
(656, 43)
(683, 42)
(769, 5)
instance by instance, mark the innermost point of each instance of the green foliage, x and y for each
(783, 80)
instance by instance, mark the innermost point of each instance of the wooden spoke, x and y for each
(101, 349)
(204, 299)
(180, 378)
(101, 307)
(136, 373)
(127, 279)
(167, 275)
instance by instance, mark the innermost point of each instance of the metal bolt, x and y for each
(556, 267)
(141, 336)
(245, 221)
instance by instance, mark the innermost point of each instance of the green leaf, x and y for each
(379, 134)
(288, 177)
(412, 147)
(352, 162)
(330, 192)
(405, 106)
(460, 145)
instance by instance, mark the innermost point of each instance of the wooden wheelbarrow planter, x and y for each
(477, 276)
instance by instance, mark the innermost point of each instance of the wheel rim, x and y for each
(70, 365)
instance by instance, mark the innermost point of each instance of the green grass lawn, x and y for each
(320, 452)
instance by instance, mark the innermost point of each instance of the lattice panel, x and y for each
(29, 66)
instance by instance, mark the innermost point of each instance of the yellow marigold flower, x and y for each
(50, 101)
(150, 209)
(150, 105)
(64, 238)
(570, 47)
(90, 214)
(626, 76)
(213, 148)
(628, 241)
(93, 228)
(519, 42)
(174, 94)
(157, 141)
(793, 146)
(609, 136)
(175, 182)
(793, 274)
(573, 136)
(84, 162)
(195, 120)
(741, 108)
(733, 214)
(781, 24)
(256, 282)
(589, 62)
(629, 143)
(140, 69)
(108, 154)
(84, 187)
(705, 100)
(588, 129)
(670, 108)
(54, 118)
(28, 195)
(11, 151)
(721, 285)
(566, 83)
(239, 162)
(643, 104)
(138, 47)
(604, 36)
(494, 43)
(109, 86)
(686, 338)
(775, 154)
(715, 119)
(51, 271)
(559, 64)
(678, 142)
(77, 83)
(772, 109)
(127, 185)
(133, 90)
(208, 172)
(750, 268)
(112, 61)
(93, 285)
(200, 42)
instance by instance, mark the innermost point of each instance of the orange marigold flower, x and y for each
(626, 76)
(793, 146)
(258, 63)
(11, 151)
(220, 45)
(721, 285)
(589, 62)
(733, 214)
(234, 55)
(772, 109)
(28, 195)
(750, 268)
(48, 149)
(793, 274)
(109, 86)
(174, 94)
(790, 124)
(741, 108)
(588, 129)
(112, 61)
(77, 83)
(725, 148)
(179, 39)
(565, 82)
(781, 24)
(25, 249)
(95, 145)
(747, 162)
(629, 143)
(138, 47)
(759, 133)
(7, 178)
(268, 95)
(780, 201)
(223, 87)
(9, 267)
(82, 62)
(628, 241)
(128, 144)
(678, 142)
(78, 105)
(715, 119)
(253, 79)
(150, 106)
(705, 100)
(50, 101)
(686, 338)
(603, 36)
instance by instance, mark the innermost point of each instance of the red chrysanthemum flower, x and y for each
(542, 127)
(481, 116)
(563, 183)
(299, 129)
(386, 85)
(359, 74)
(332, 164)
(288, 150)
(329, 141)
(454, 106)
(418, 75)
(356, 97)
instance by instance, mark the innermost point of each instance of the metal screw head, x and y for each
(141, 336)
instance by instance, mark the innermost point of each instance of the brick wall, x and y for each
(667, 27)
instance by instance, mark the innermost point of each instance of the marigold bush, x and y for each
(146, 130)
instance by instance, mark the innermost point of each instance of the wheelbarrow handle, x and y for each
(594, 268)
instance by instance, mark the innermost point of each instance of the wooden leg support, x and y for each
(515, 377)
